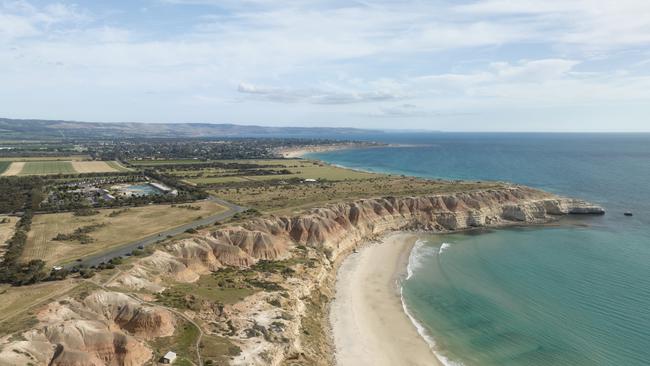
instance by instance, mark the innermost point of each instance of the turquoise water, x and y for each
(577, 294)
(142, 189)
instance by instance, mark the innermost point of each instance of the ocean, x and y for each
(572, 294)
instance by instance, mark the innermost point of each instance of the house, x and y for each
(310, 180)
(168, 358)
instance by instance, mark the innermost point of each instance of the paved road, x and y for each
(231, 209)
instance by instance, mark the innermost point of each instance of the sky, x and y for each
(492, 65)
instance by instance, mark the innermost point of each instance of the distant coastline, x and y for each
(300, 151)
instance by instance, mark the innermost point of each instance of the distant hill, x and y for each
(11, 129)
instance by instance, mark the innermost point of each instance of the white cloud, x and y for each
(587, 23)
(314, 96)
(350, 58)
(405, 110)
(537, 70)
(12, 26)
(19, 19)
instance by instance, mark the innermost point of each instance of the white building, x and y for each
(161, 187)
(169, 357)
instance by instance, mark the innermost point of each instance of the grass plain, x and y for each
(117, 166)
(295, 168)
(46, 158)
(31, 166)
(216, 349)
(14, 168)
(93, 167)
(165, 162)
(17, 302)
(288, 198)
(278, 185)
(218, 287)
(47, 168)
(4, 165)
(131, 225)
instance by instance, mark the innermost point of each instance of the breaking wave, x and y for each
(420, 250)
(416, 259)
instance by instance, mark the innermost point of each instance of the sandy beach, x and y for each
(299, 152)
(369, 325)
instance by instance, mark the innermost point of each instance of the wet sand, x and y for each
(368, 322)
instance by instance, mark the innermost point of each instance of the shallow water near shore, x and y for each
(574, 294)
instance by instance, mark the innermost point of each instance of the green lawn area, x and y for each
(47, 167)
(165, 162)
(4, 165)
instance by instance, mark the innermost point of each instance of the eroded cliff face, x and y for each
(269, 326)
(337, 228)
(103, 328)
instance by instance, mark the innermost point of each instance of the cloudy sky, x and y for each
(498, 65)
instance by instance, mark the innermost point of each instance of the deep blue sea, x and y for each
(575, 294)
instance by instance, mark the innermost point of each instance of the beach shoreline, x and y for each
(300, 151)
(367, 317)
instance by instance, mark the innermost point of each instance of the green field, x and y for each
(46, 158)
(165, 162)
(269, 170)
(4, 165)
(47, 167)
(117, 166)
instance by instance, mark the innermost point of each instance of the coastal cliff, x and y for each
(337, 228)
(284, 325)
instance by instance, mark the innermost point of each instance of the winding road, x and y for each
(123, 250)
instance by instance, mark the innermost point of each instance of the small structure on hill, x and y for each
(310, 180)
(168, 358)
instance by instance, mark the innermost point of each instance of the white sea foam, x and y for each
(418, 253)
(426, 336)
(444, 247)
(416, 259)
